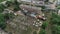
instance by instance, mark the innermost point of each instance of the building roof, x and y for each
(33, 2)
(31, 8)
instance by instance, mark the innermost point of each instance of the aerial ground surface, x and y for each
(29, 17)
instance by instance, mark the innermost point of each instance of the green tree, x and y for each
(16, 3)
(58, 7)
(2, 7)
(44, 25)
(9, 16)
(16, 6)
(55, 19)
(2, 21)
(46, 0)
(55, 29)
(9, 3)
(42, 31)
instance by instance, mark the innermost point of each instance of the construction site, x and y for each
(28, 16)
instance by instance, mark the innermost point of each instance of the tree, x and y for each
(16, 3)
(46, 0)
(58, 7)
(2, 7)
(8, 16)
(55, 19)
(42, 31)
(9, 3)
(43, 7)
(16, 6)
(2, 21)
(55, 29)
(44, 25)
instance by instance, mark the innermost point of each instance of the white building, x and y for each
(59, 12)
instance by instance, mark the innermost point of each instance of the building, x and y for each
(32, 2)
(31, 9)
(50, 6)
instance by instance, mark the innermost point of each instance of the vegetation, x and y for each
(42, 31)
(34, 32)
(46, 0)
(55, 29)
(43, 7)
(2, 18)
(2, 7)
(58, 7)
(2, 21)
(2, 0)
(9, 3)
(9, 16)
(44, 25)
(16, 6)
(55, 21)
